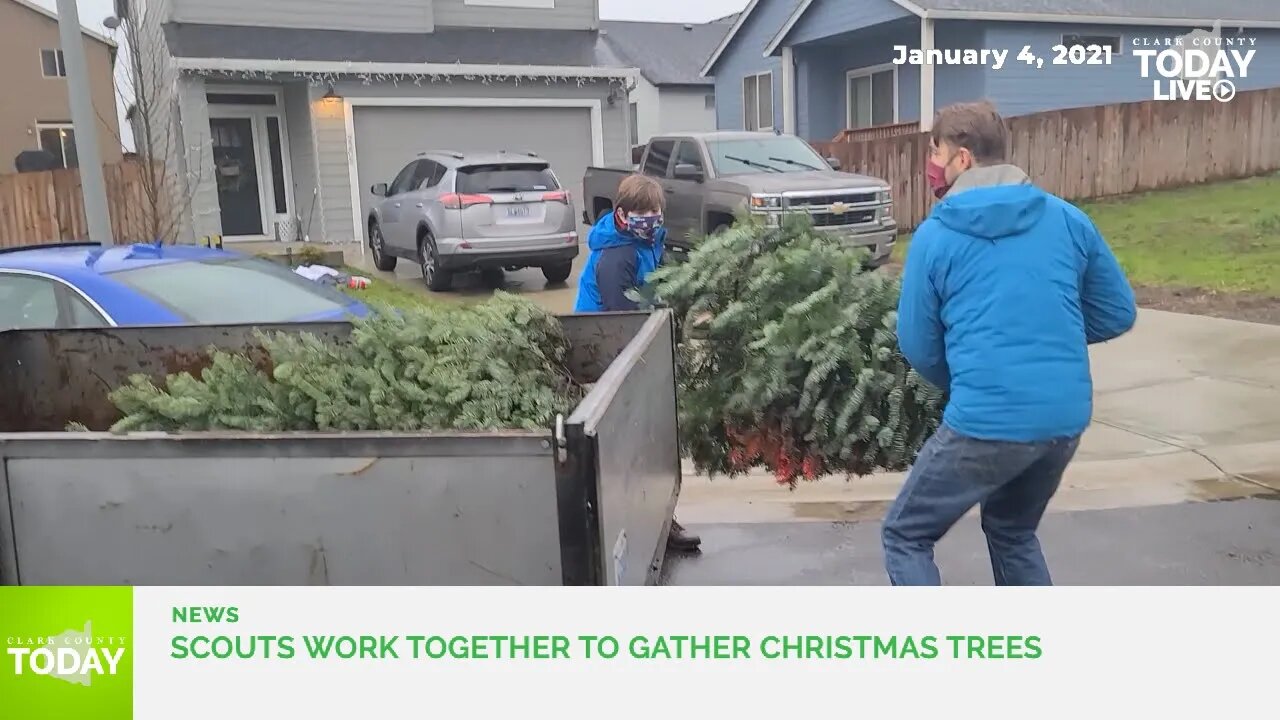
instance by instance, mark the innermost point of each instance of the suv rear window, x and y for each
(230, 292)
(506, 178)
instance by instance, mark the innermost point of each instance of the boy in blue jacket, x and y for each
(1004, 289)
(624, 247)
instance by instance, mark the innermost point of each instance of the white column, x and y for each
(788, 90)
(927, 109)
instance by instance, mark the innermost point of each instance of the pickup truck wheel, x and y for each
(557, 273)
(378, 247)
(436, 278)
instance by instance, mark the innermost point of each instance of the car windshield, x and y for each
(233, 291)
(774, 154)
(506, 178)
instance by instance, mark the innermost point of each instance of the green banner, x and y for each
(68, 652)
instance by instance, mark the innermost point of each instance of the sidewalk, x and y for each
(1187, 410)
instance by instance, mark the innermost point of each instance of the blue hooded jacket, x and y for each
(1004, 288)
(617, 262)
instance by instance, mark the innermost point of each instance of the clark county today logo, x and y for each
(71, 656)
(1201, 65)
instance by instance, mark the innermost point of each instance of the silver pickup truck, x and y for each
(711, 176)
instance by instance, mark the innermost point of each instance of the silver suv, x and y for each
(452, 212)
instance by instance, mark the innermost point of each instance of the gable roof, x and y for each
(1231, 13)
(665, 53)
(40, 9)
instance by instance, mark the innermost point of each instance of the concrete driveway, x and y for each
(1184, 451)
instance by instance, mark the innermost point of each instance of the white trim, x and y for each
(349, 104)
(59, 63)
(799, 12)
(756, 109)
(786, 27)
(257, 129)
(1068, 19)
(788, 90)
(728, 38)
(928, 77)
(54, 16)
(340, 67)
(62, 138)
(57, 280)
(868, 72)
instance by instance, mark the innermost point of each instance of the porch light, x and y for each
(332, 95)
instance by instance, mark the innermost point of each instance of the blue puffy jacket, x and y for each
(1004, 288)
(617, 262)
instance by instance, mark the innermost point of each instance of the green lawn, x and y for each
(386, 292)
(1224, 236)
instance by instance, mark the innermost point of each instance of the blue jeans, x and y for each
(1013, 482)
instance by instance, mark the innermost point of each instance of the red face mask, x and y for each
(937, 176)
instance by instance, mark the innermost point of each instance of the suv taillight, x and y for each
(460, 201)
(560, 196)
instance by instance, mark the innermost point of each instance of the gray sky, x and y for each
(92, 13)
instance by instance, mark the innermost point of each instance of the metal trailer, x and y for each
(587, 502)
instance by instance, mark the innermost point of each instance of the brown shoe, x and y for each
(682, 540)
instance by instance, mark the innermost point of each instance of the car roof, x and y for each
(719, 135)
(71, 261)
(455, 159)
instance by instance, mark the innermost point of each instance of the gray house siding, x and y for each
(201, 185)
(745, 56)
(410, 16)
(302, 158)
(329, 126)
(958, 83)
(567, 15)
(1021, 89)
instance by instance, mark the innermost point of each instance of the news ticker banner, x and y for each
(619, 653)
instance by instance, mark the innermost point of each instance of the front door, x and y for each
(235, 161)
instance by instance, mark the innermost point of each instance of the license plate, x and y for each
(519, 211)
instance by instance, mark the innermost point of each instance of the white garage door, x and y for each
(388, 138)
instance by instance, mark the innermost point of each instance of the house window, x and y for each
(59, 140)
(635, 125)
(873, 97)
(1115, 42)
(711, 102)
(53, 63)
(757, 102)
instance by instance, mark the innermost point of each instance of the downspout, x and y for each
(927, 109)
(788, 90)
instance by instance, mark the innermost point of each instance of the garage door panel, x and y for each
(387, 138)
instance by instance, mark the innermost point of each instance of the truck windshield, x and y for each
(764, 154)
(230, 292)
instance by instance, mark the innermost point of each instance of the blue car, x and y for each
(79, 286)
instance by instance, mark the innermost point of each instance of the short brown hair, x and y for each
(977, 127)
(638, 193)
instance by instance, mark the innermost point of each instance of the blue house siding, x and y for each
(958, 83)
(745, 56)
(832, 17)
(1021, 89)
(822, 69)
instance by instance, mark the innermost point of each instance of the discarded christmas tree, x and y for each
(789, 357)
(498, 365)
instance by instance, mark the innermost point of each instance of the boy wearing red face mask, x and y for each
(625, 246)
(1004, 289)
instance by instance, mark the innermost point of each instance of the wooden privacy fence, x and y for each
(48, 207)
(1099, 151)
